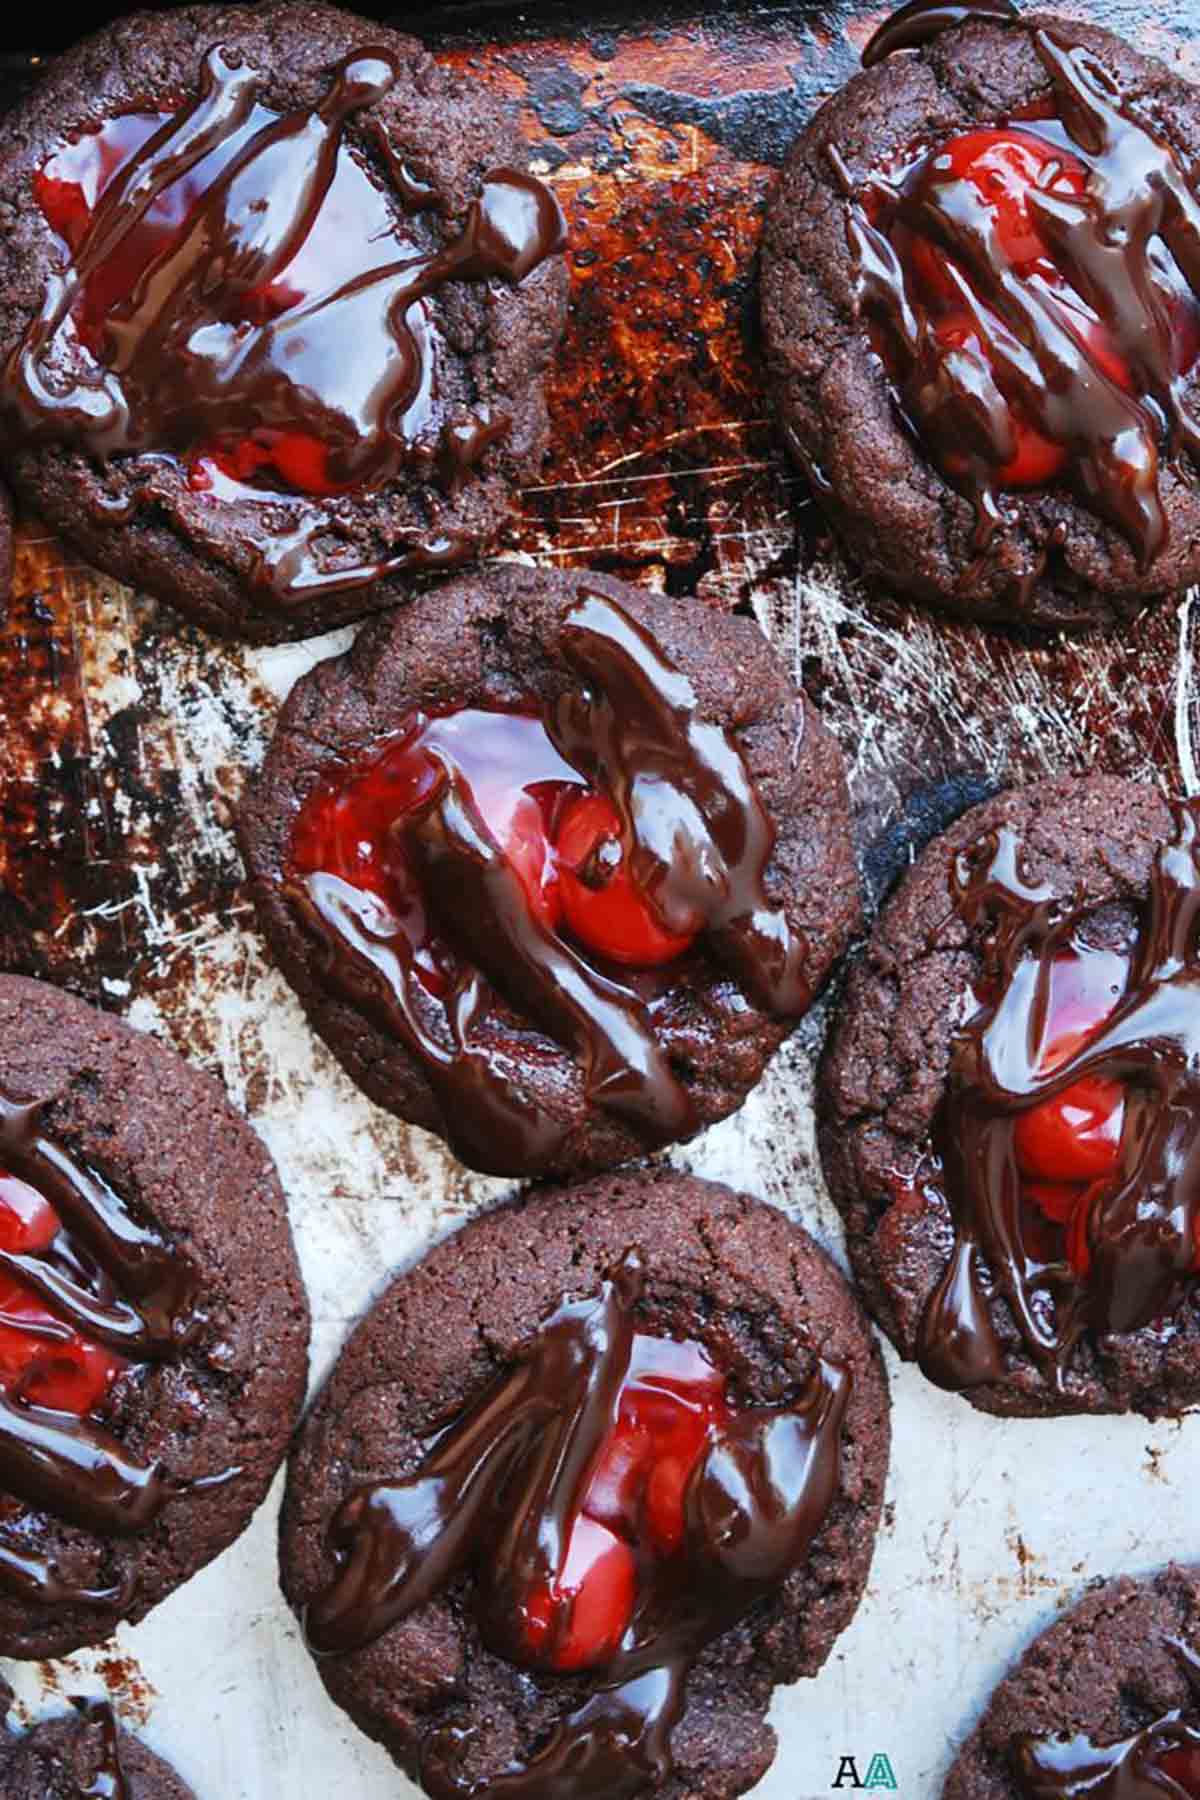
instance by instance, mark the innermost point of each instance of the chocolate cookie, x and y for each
(6, 546)
(84, 1753)
(981, 298)
(153, 1345)
(350, 391)
(553, 863)
(1106, 1701)
(584, 1485)
(1008, 1105)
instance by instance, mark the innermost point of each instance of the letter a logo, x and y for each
(879, 1773)
(847, 1775)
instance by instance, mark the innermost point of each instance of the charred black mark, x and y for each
(927, 812)
(757, 127)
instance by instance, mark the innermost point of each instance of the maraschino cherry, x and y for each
(42, 1360)
(632, 1506)
(1069, 1146)
(562, 837)
(1008, 168)
(602, 903)
(1182, 1766)
(67, 190)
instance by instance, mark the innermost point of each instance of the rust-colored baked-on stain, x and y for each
(122, 732)
(47, 842)
(664, 461)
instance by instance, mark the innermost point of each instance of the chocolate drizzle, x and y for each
(495, 1494)
(1138, 1768)
(107, 1781)
(1129, 246)
(698, 842)
(1142, 1224)
(119, 1283)
(189, 361)
(696, 836)
(918, 23)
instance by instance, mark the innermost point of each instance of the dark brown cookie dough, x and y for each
(720, 1268)
(221, 1407)
(136, 516)
(6, 546)
(1094, 841)
(62, 1758)
(1105, 1670)
(1052, 561)
(493, 640)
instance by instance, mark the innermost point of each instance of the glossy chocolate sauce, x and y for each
(1141, 1226)
(1095, 361)
(107, 1780)
(918, 23)
(120, 1284)
(1161, 1762)
(274, 314)
(497, 1493)
(697, 841)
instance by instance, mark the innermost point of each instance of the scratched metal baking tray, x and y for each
(124, 736)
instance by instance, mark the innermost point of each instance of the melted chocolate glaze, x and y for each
(1142, 1225)
(921, 21)
(119, 1283)
(184, 368)
(1077, 1769)
(694, 830)
(108, 1782)
(698, 841)
(1106, 241)
(503, 1479)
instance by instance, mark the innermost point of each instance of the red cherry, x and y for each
(604, 908)
(64, 205)
(618, 1479)
(1005, 166)
(1056, 1199)
(1036, 460)
(1074, 1137)
(528, 848)
(301, 460)
(665, 1493)
(1182, 1766)
(28, 1222)
(597, 1584)
(65, 1370)
(353, 827)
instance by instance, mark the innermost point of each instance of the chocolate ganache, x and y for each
(1161, 1762)
(117, 1283)
(689, 833)
(108, 1779)
(1138, 1226)
(240, 297)
(1032, 290)
(498, 1494)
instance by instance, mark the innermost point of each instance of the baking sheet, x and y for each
(123, 740)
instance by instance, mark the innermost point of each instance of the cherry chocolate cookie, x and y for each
(584, 1485)
(1104, 1704)
(1010, 1104)
(84, 1753)
(153, 1325)
(553, 863)
(981, 299)
(277, 297)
